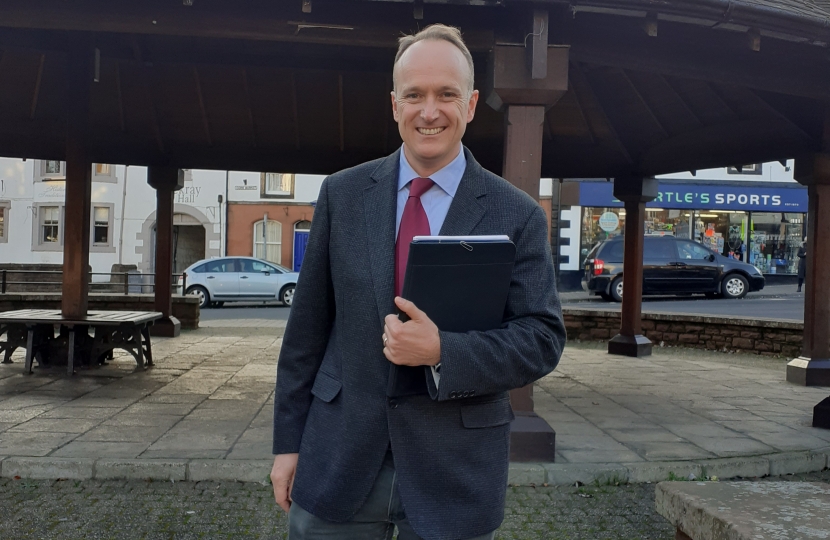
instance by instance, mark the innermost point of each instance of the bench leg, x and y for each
(139, 349)
(30, 347)
(148, 352)
(680, 535)
(70, 364)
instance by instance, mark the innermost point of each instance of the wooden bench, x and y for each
(34, 329)
(746, 510)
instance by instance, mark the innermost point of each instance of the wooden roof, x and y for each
(260, 85)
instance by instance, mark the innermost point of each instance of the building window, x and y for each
(268, 241)
(50, 224)
(4, 221)
(277, 185)
(103, 172)
(101, 226)
(53, 170)
(745, 169)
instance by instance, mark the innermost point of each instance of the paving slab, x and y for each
(209, 401)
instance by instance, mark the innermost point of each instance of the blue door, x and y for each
(300, 242)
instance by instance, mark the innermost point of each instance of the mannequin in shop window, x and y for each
(802, 264)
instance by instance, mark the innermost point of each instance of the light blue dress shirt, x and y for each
(436, 201)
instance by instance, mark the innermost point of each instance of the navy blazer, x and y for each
(451, 452)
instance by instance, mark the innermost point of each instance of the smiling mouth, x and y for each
(430, 131)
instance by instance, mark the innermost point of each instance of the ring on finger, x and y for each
(385, 339)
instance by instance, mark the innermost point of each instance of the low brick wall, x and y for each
(773, 338)
(185, 308)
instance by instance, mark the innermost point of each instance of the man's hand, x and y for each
(413, 343)
(282, 478)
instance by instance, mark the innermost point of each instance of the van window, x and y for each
(612, 251)
(692, 250)
(659, 249)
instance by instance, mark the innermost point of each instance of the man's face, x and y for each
(432, 103)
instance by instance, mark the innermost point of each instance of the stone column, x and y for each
(76, 227)
(635, 192)
(165, 180)
(812, 368)
(523, 82)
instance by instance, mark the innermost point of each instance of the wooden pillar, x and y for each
(76, 230)
(165, 180)
(812, 368)
(634, 192)
(523, 82)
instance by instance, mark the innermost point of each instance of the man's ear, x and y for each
(471, 106)
(394, 105)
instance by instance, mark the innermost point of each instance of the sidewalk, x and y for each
(767, 292)
(205, 411)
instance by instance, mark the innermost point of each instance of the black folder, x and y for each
(461, 283)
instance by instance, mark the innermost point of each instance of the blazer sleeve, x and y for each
(306, 335)
(530, 341)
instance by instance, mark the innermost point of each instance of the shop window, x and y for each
(774, 241)
(268, 241)
(5, 206)
(52, 170)
(277, 185)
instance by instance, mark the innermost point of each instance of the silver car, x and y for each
(238, 279)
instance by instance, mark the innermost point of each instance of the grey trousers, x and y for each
(376, 520)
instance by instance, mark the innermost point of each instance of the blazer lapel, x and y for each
(380, 206)
(466, 209)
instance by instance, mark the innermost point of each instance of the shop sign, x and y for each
(705, 196)
(609, 221)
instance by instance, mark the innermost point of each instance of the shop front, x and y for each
(763, 224)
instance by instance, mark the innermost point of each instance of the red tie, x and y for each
(414, 223)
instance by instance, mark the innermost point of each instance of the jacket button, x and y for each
(453, 395)
(393, 404)
(472, 393)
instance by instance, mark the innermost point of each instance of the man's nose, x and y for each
(430, 110)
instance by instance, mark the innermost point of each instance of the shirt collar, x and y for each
(447, 178)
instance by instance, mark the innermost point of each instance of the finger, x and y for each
(409, 308)
(393, 324)
(281, 496)
(388, 354)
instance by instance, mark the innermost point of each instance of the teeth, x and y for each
(433, 131)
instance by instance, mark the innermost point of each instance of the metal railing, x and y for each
(129, 281)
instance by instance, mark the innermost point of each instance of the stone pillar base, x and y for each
(531, 438)
(635, 346)
(821, 414)
(809, 372)
(166, 327)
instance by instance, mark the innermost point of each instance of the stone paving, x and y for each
(204, 412)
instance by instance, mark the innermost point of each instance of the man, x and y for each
(351, 463)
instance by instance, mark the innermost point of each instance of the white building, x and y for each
(122, 221)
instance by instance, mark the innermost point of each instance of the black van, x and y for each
(670, 266)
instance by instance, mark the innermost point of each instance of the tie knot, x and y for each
(420, 186)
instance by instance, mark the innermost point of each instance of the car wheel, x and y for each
(617, 290)
(287, 295)
(200, 293)
(734, 286)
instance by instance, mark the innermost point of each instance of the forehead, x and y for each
(432, 60)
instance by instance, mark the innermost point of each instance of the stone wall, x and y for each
(774, 338)
(185, 308)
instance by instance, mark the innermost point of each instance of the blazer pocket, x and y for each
(487, 414)
(326, 387)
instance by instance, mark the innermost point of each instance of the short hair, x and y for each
(437, 32)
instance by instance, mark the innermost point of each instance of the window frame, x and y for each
(265, 193)
(37, 224)
(265, 244)
(43, 176)
(107, 178)
(6, 207)
(752, 168)
(109, 247)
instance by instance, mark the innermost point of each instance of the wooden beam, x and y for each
(341, 112)
(36, 91)
(645, 104)
(581, 111)
(248, 107)
(537, 52)
(295, 110)
(142, 72)
(783, 118)
(680, 100)
(581, 84)
(119, 90)
(201, 100)
(719, 98)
